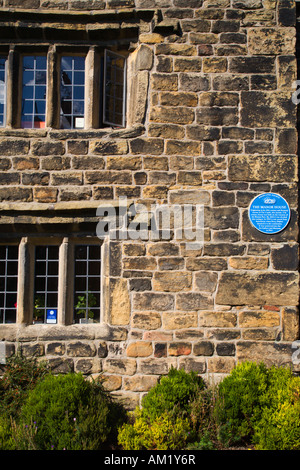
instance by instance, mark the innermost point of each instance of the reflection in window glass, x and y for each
(34, 92)
(2, 91)
(72, 92)
(114, 89)
(46, 281)
(87, 284)
(8, 283)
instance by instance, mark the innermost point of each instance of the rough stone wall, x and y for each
(220, 128)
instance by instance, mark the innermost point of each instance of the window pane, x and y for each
(114, 89)
(72, 92)
(8, 283)
(87, 284)
(2, 91)
(46, 281)
(34, 91)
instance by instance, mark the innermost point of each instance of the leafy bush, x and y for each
(279, 426)
(164, 432)
(241, 396)
(173, 393)
(260, 405)
(70, 413)
(20, 376)
(163, 421)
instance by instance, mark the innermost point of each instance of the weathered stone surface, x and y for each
(139, 349)
(193, 301)
(260, 109)
(257, 289)
(270, 353)
(271, 40)
(120, 306)
(254, 319)
(172, 281)
(262, 168)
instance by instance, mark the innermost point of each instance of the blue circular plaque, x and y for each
(269, 213)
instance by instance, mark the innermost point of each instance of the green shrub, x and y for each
(70, 413)
(173, 393)
(164, 432)
(21, 375)
(279, 426)
(241, 396)
(260, 405)
(163, 421)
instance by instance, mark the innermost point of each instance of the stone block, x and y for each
(45, 194)
(257, 289)
(262, 168)
(41, 148)
(140, 383)
(285, 258)
(81, 349)
(120, 305)
(271, 353)
(217, 319)
(146, 320)
(271, 41)
(179, 320)
(172, 281)
(179, 349)
(110, 147)
(119, 366)
(153, 301)
(256, 319)
(260, 109)
(139, 349)
(193, 301)
(203, 348)
(206, 282)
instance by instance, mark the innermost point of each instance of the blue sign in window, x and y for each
(269, 213)
(51, 315)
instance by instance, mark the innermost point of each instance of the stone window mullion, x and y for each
(25, 282)
(66, 283)
(92, 88)
(13, 109)
(53, 89)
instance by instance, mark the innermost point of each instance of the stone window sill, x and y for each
(65, 134)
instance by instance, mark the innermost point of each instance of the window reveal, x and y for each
(34, 78)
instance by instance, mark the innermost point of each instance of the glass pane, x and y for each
(114, 81)
(34, 91)
(72, 92)
(87, 284)
(46, 281)
(2, 91)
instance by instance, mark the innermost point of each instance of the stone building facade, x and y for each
(200, 116)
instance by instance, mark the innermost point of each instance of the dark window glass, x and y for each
(114, 89)
(72, 92)
(87, 283)
(46, 282)
(2, 91)
(34, 92)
